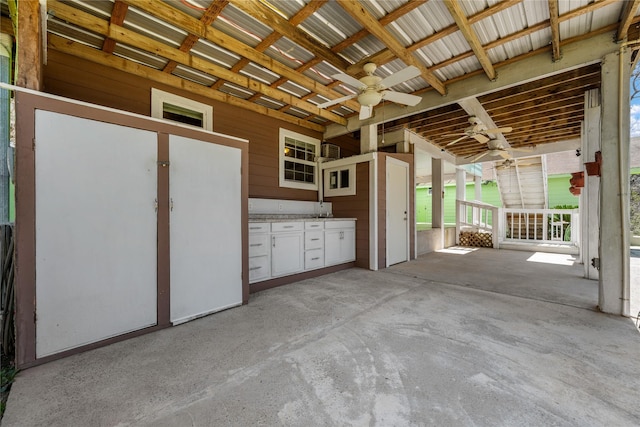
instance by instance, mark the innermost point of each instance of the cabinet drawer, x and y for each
(314, 225)
(258, 245)
(287, 226)
(313, 259)
(339, 224)
(258, 268)
(258, 227)
(313, 240)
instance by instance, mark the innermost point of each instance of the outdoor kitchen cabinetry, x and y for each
(259, 251)
(286, 248)
(339, 242)
(313, 245)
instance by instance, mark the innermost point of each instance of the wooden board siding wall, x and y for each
(75, 78)
(382, 205)
(357, 206)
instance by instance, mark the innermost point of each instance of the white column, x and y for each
(589, 203)
(368, 139)
(437, 197)
(614, 186)
(461, 184)
(478, 187)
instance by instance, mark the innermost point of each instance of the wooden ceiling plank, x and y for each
(471, 37)
(6, 25)
(555, 30)
(626, 17)
(568, 78)
(279, 24)
(360, 14)
(76, 49)
(118, 14)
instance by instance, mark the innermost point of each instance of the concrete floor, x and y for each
(486, 338)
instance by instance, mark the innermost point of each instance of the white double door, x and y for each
(206, 235)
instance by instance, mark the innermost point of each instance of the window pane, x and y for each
(344, 178)
(333, 180)
(182, 115)
(309, 178)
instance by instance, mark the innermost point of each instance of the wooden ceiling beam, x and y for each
(181, 20)
(384, 56)
(210, 15)
(554, 23)
(76, 49)
(626, 17)
(471, 37)
(118, 13)
(279, 24)
(360, 14)
(126, 36)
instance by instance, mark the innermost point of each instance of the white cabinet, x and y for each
(313, 245)
(259, 252)
(286, 248)
(339, 242)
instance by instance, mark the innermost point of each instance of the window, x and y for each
(298, 167)
(165, 105)
(340, 181)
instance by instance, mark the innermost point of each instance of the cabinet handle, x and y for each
(287, 226)
(255, 268)
(341, 235)
(171, 205)
(273, 241)
(253, 245)
(316, 239)
(255, 228)
(315, 259)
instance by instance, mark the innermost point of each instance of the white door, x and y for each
(397, 211)
(206, 239)
(96, 232)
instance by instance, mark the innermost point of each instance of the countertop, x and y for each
(294, 218)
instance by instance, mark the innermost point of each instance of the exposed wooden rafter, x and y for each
(360, 14)
(118, 13)
(280, 25)
(554, 23)
(626, 17)
(470, 36)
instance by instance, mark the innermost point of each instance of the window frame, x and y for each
(283, 135)
(160, 97)
(349, 190)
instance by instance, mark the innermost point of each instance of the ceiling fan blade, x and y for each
(480, 138)
(336, 101)
(479, 157)
(351, 81)
(523, 149)
(365, 112)
(401, 98)
(499, 130)
(399, 77)
(456, 140)
(504, 154)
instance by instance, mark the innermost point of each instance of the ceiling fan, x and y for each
(528, 161)
(372, 89)
(479, 131)
(496, 148)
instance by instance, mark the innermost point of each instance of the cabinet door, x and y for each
(332, 243)
(286, 253)
(348, 245)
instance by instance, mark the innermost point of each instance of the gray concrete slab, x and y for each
(356, 348)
